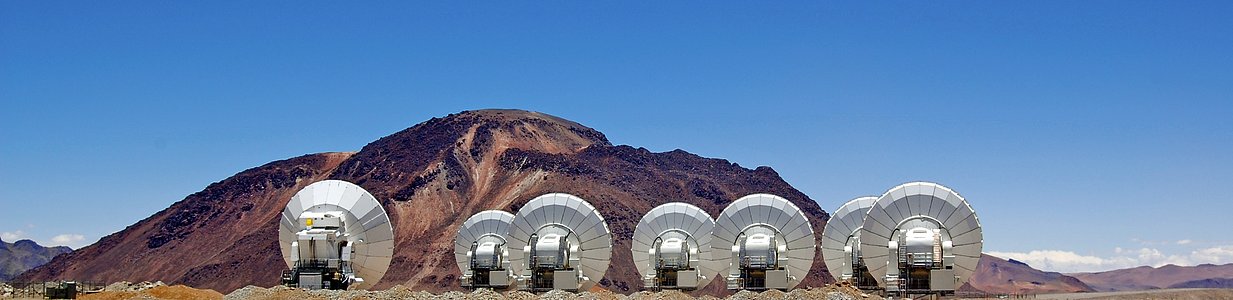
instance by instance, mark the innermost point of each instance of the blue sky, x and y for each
(1088, 135)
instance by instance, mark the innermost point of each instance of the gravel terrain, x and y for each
(159, 290)
(174, 292)
(1173, 294)
(125, 286)
(833, 292)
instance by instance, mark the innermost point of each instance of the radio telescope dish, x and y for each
(559, 241)
(763, 234)
(361, 248)
(841, 240)
(479, 249)
(917, 221)
(672, 247)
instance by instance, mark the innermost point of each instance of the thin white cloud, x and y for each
(71, 240)
(1213, 255)
(1184, 242)
(1070, 262)
(1056, 260)
(12, 236)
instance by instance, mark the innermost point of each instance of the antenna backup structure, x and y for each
(921, 238)
(480, 250)
(671, 247)
(333, 235)
(559, 241)
(841, 246)
(767, 242)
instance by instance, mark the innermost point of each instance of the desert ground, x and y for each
(158, 290)
(1174, 294)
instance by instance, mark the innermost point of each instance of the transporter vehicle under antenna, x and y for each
(841, 246)
(766, 241)
(921, 238)
(558, 241)
(480, 250)
(671, 247)
(333, 235)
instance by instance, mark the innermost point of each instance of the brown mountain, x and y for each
(430, 178)
(1000, 276)
(22, 255)
(1143, 278)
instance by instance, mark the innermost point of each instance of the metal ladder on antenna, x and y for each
(902, 282)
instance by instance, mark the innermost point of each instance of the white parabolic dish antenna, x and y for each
(367, 227)
(485, 224)
(922, 204)
(676, 220)
(767, 210)
(582, 224)
(840, 231)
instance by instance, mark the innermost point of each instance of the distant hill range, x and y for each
(23, 255)
(430, 178)
(1000, 276)
(1211, 283)
(1168, 276)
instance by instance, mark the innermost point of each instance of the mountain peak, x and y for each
(456, 151)
(26, 243)
(559, 130)
(23, 255)
(557, 134)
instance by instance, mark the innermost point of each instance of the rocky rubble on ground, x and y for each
(662, 295)
(830, 292)
(125, 286)
(5, 290)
